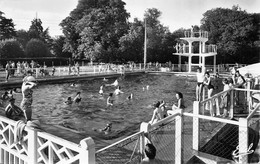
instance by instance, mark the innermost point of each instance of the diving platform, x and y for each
(183, 50)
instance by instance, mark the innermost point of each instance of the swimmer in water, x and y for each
(115, 83)
(68, 101)
(130, 97)
(101, 92)
(118, 90)
(77, 99)
(106, 129)
(109, 101)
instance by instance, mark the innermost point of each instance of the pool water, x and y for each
(92, 112)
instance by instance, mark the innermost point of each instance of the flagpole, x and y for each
(145, 42)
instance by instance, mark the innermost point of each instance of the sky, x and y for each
(175, 13)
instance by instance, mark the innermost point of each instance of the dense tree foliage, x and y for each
(94, 28)
(159, 42)
(132, 43)
(57, 47)
(7, 29)
(36, 48)
(10, 48)
(234, 32)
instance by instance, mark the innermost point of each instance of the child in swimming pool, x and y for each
(109, 100)
(68, 101)
(118, 90)
(101, 92)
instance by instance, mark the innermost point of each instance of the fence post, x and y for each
(178, 137)
(36, 72)
(87, 153)
(32, 146)
(144, 128)
(195, 133)
(243, 139)
(248, 87)
(231, 111)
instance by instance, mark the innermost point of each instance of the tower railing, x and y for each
(199, 34)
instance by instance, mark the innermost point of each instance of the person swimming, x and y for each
(118, 90)
(115, 83)
(68, 101)
(106, 129)
(109, 101)
(101, 92)
(77, 99)
(130, 97)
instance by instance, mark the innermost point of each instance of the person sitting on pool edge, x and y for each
(109, 100)
(150, 153)
(77, 99)
(157, 113)
(179, 105)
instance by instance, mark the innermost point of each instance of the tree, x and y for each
(11, 48)
(22, 37)
(232, 31)
(57, 47)
(155, 34)
(36, 48)
(36, 31)
(7, 29)
(132, 43)
(95, 26)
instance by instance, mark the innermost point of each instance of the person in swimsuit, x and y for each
(179, 105)
(101, 92)
(29, 83)
(199, 87)
(157, 113)
(109, 100)
(208, 83)
(118, 90)
(12, 111)
(68, 101)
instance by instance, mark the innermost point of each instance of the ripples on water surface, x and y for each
(91, 112)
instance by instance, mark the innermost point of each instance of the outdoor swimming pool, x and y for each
(91, 112)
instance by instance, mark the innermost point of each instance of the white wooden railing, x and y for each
(41, 147)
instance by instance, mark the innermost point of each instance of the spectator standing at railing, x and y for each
(77, 67)
(12, 68)
(239, 82)
(18, 65)
(225, 98)
(53, 71)
(199, 86)
(7, 70)
(208, 83)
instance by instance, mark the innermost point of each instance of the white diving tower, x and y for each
(188, 50)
